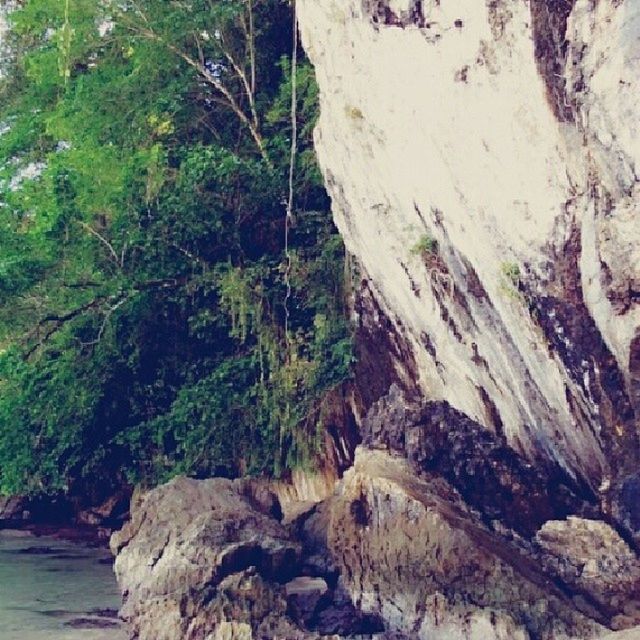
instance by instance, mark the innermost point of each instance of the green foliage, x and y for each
(511, 277)
(142, 266)
(425, 246)
(511, 271)
(355, 113)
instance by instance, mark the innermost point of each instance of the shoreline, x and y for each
(59, 584)
(64, 520)
(88, 535)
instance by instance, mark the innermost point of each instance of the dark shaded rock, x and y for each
(55, 613)
(311, 529)
(13, 509)
(304, 595)
(489, 474)
(383, 356)
(628, 503)
(111, 513)
(383, 15)
(338, 615)
(549, 22)
(40, 551)
(92, 623)
(104, 613)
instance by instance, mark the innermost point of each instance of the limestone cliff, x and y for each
(482, 158)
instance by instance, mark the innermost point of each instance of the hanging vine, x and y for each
(292, 162)
(65, 38)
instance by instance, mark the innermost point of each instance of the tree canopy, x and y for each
(152, 320)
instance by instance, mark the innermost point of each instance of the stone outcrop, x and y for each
(591, 557)
(196, 558)
(68, 517)
(109, 514)
(393, 554)
(13, 510)
(210, 559)
(409, 549)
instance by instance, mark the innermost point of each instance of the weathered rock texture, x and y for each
(482, 159)
(210, 560)
(12, 510)
(393, 554)
(410, 550)
(194, 559)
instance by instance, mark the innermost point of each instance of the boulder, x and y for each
(394, 553)
(200, 554)
(110, 513)
(591, 556)
(410, 551)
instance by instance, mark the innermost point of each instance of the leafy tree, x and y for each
(152, 321)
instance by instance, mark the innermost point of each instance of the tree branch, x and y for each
(117, 259)
(250, 122)
(53, 322)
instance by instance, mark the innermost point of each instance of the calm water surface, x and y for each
(55, 590)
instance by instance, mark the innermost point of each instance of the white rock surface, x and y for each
(482, 157)
(446, 131)
(605, 44)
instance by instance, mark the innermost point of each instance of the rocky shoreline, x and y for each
(392, 553)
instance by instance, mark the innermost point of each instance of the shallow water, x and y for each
(56, 590)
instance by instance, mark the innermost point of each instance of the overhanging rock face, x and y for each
(483, 163)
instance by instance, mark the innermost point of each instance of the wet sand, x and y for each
(56, 590)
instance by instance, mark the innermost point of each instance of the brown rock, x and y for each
(591, 556)
(13, 508)
(409, 549)
(198, 554)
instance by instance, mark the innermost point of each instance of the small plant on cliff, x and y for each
(355, 113)
(510, 279)
(425, 247)
(428, 251)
